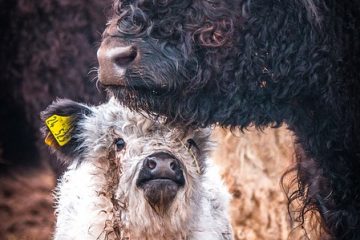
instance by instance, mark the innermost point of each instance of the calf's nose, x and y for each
(163, 166)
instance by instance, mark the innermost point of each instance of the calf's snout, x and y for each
(162, 165)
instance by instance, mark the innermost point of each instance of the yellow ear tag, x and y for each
(60, 127)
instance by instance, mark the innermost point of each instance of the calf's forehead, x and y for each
(114, 120)
(148, 132)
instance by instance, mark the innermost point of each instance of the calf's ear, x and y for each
(61, 128)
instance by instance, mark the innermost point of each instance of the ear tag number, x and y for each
(60, 127)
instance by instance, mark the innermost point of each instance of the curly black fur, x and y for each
(261, 62)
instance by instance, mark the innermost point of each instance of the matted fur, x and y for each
(97, 197)
(251, 164)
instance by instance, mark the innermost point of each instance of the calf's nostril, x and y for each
(124, 56)
(173, 165)
(151, 164)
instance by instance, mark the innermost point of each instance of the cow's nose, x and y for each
(113, 63)
(122, 56)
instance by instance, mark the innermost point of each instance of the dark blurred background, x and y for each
(47, 49)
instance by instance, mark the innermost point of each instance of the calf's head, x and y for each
(154, 170)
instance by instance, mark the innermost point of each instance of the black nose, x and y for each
(163, 165)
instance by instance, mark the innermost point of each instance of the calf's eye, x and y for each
(119, 144)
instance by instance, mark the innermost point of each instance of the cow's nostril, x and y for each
(151, 164)
(124, 56)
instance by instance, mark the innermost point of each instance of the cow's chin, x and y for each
(160, 194)
(119, 91)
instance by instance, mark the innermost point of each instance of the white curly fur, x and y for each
(84, 206)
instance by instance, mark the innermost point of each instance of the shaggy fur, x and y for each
(260, 62)
(251, 164)
(98, 198)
